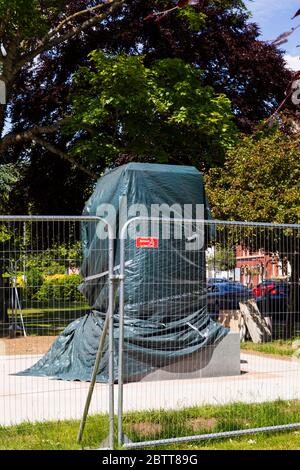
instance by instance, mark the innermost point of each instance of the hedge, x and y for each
(60, 287)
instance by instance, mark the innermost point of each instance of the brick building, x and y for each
(254, 267)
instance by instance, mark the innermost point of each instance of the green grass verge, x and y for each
(165, 424)
(278, 347)
(41, 309)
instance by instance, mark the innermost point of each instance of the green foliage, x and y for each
(234, 61)
(60, 288)
(5, 234)
(9, 175)
(164, 111)
(26, 16)
(196, 20)
(259, 182)
(228, 4)
(34, 280)
(45, 273)
(224, 259)
(54, 260)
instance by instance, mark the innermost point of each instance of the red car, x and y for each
(265, 287)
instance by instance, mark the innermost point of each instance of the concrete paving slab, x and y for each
(31, 399)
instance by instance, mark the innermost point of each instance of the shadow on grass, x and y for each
(48, 319)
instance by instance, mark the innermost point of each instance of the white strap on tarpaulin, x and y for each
(203, 335)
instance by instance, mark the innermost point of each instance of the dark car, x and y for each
(226, 296)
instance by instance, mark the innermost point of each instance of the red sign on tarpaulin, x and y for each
(147, 242)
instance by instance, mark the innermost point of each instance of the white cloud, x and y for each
(293, 62)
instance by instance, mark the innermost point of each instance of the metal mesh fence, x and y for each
(247, 278)
(40, 261)
(206, 329)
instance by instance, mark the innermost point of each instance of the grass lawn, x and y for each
(51, 319)
(278, 347)
(164, 424)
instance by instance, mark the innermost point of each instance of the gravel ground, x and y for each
(24, 346)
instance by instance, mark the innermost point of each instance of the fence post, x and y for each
(121, 336)
(111, 343)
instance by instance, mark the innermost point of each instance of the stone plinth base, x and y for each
(219, 360)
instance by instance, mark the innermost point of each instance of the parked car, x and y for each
(226, 296)
(261, 289)
(275, 301)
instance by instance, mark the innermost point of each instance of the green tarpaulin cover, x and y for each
(165, 288)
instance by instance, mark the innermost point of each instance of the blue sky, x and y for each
(274, 18)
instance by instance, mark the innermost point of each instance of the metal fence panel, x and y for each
(39, 297)
(248, 275)
(251, 284)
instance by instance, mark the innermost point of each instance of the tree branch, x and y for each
(18, 137)
(65, 156)
(115, 4)
(33, 135)
(48, 42)
(76, 15)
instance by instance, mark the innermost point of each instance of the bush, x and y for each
(34, 281)
(60, 287)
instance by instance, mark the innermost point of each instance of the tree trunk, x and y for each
(2, 118)
(3, 101)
